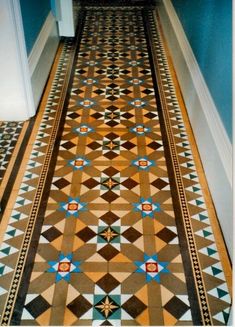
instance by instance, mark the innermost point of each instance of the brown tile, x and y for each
(131, 234)
(108, 252)
(176, 307)
(79, 306)
(37, 306)
(86, 234)
(108, 283)
(156, 317)
(134, 307)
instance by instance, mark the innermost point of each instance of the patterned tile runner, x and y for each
(110, 225)
(9, 133)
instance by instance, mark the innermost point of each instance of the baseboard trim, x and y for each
(42, 55)
(213, 143)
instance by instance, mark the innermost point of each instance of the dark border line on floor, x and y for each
(16, 166)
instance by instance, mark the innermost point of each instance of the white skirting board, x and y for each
(213, 143)
(42, 55)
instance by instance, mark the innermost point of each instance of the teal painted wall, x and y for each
(208, 27)
(34, 14)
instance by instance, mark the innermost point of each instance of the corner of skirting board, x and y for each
(42, 56)
(213, 144)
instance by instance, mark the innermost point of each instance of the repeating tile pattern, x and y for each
(110, 204)
(9, 133)
(109, 251)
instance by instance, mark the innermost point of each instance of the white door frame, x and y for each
(16, 96)
(66, 19)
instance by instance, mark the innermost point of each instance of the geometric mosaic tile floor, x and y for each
(9, 133)
(110, 225)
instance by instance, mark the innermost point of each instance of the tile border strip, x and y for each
(160, 52)
(11, 171)
(191, 260)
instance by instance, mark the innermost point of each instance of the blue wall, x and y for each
(208, 27)
(34, 13)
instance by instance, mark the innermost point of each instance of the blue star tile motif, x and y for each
(79, 163)
(94, 47)
(136, 81)
(147, 207)
(138, 103)
(83, 129)
(152, 267)
(72, 207)
(133, 47)
(134, 63)
(87, 103)
(143, 163)
(140, 129)
(89, 81)
(91, 63)
(64, 266)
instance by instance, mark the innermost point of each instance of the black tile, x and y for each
(79, 306)
(107, 283)
(37, 306)
(134, 306)
(176, 307)
(51, 234)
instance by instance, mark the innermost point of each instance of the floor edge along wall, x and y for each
(206, 124)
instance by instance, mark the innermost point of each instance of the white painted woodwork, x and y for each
(16, 97)
(66, 21)
(42, 55)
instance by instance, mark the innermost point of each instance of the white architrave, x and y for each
(42, 55)
(16, 97)
(66, 19)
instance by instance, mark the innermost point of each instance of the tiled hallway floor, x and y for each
(108, 222)
(9, 133)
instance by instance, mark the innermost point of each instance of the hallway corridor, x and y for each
(109, 221)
